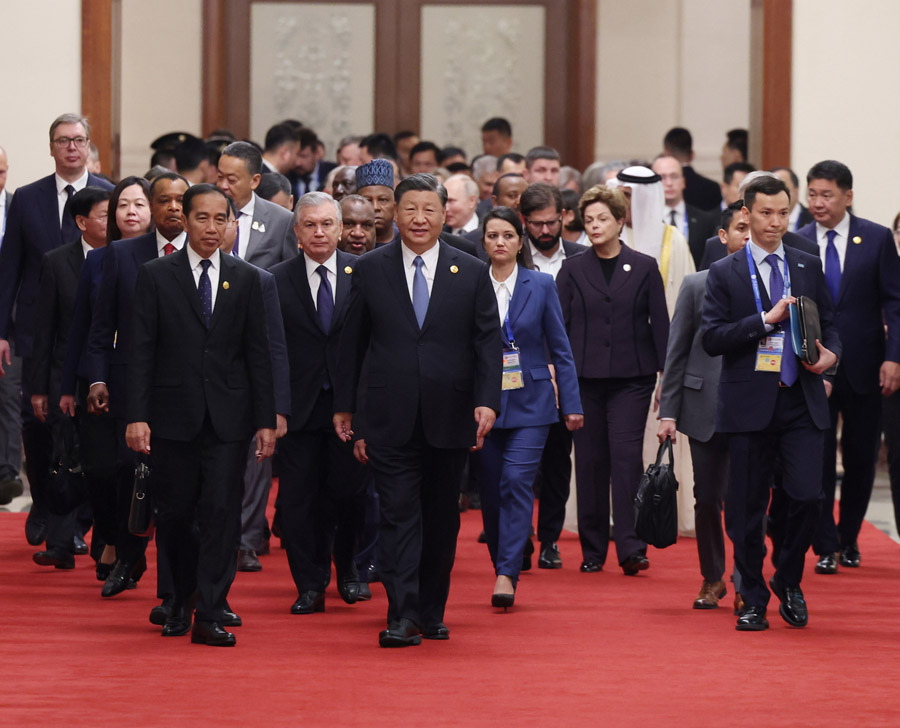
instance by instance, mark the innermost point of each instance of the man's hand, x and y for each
(137, 437)
(265, 443)
(98, 399)
(574, 422)
(780, 311)
(5, 355)
(828, 387)
(485, 417)
(657, 393)
(342, 425)
(666, 429)
(889, 378)
(39, 405)
(280, 426)
(359, 451)
(67, 404)
(827, 359)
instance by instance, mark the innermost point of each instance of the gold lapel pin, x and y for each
(348, 270)
(255, 225)
(857, 240)
(454, 269)
(225, 285)
(626, 267)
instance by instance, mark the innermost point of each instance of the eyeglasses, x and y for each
(541, 224)
(100, 218)
(80, 142)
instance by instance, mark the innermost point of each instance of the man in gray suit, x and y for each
(687, 404)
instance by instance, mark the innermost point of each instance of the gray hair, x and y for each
(314, 199)
(569, 174)
(347, 141)
(469, 186)
(71, 119)
(484, 164)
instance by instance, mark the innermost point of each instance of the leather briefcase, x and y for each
(805, 329)
(656, 503)
(140, 517)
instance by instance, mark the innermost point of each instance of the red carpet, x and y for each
(578, 649)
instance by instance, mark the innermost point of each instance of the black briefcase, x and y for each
(66, 484)
(140, 517)
(656, 503)
(805, 329)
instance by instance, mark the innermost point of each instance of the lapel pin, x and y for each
(857, 240)
(225, 285)
(262, 227)
(255, 225)
(348, 270)
(454, 269)
(801, 265)
(626, 267)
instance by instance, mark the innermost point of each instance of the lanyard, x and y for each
(507, 327)
(753, 279)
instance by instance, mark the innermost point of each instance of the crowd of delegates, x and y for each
(405, 323)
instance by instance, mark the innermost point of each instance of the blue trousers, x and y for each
(507, 466)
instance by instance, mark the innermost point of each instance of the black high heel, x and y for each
(503, 600)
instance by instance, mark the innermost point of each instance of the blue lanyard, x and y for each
(510, 338)
(753, 279)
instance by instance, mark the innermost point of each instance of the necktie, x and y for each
(673, 223)
(832, 266)
(324, 299)
(237, 238)
(420, 291)
(68, 227)
(168, 249)
(776, 292)
(205, 289)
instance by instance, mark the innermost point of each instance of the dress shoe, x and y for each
(36, 527)
(347, 582)
(589, 567)
(118, 579)
(138, 571)
(826, 564)
(81, 548)
(738, 604)
(55, 557)
(365, 593)
(482, 537)
(369, 574)
(710, 594)
(438, 631)
(161, 612)
(10, 488)
(549, 558)
(308, 603)
(229, 619)
(178, 623)
(503, 601)
(850, 556)
(526, 556)
(103, 570)
(752, 619)
(247, 561)
(402, 633)
(212, 634)
(793, 605)
(474, 500)
(635, 563)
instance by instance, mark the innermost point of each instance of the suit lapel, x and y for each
(852, 256)
(76, 257)
(443, 282)
(739, 261)
(258, 227)
(396, 276)
(594, 273)
(50, 212)
(520, 297)
(345, 263)
(227, 270)
(181, 269)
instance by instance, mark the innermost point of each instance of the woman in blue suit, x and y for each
(533, 332)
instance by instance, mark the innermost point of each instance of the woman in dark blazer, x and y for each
(533, 336)
(614, 307)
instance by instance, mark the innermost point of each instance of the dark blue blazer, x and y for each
(75, 364)
(870, 285)
(732, 327)
(32, 229)
(716, 250)
(537, 324)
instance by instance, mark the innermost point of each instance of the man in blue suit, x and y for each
(38, 222)
(770, 405)
(863, 274)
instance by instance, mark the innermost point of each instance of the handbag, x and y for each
(656, 506)
(66, 483)
(140, 517)
(805, 329)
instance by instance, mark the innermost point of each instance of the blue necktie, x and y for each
(420, 291)
(324, 299)
(205, 289)
(776, 292)
(832, 266)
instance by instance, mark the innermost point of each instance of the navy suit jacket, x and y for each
(732, 327)
(716, 250)
(32, 229)
(868, 297)
(76, 361)
(535, 318)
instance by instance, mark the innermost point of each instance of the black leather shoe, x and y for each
(36, 527)
(752, 619)
(81, 548)
(229, 619)
(438, 631)
(635, 563)
(212, 634)
(161, 612)
(247, 561)
(826, 564)
(308, 603)
(347, 582)
(118, 579)
(589, 567)
(526, 557)
(178, 623)
(104, 570)
(793, 605)
(402, 633)
(369, 574)
(365, 593)
(11, 488)
(550, 558)
(55, 557)
(482, 537)
(137, 572)
(850, 556)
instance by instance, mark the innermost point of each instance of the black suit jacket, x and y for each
(701, 226)
(180, 372)
(439, 373)
(804, 219)
(700, 191)
(716, 250)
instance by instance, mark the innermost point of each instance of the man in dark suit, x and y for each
(769, 404)
(863, 275)
(320, 480)
(37, 223)
(309, 171)
(695, 224)
(281, 149)
(800, 215)
(424, 316)
(200, 380)
(698, 190)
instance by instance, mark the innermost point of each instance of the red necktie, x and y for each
(168, 249)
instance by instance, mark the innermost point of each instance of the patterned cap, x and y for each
(377, 172)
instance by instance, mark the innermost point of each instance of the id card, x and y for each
(768, 354)
(512, 370)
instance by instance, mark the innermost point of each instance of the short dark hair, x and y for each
(426, 147)
(499, 125)
(294, 124)
(833, 171)
(448, 152)
(764, 185)
(307, 138)
(405, 134)
(271, 184)
(213, 152)
(728, 173)
(162, 158)
(570, 200)
(795, 180)
(187, 204)
(679, 140)
(248, 152)
(513, 157)
(459, 168)
(728, 214)
(737, 139)
(112, 229)
(539, 195)
(189, 154)
(155, 171)
(421, 182)
(84, 200)
(496, 189)
(536, 153)
(279, 135)
(380, 145)
(166, 175)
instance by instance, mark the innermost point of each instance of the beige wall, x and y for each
(846, 104)
(41, 71)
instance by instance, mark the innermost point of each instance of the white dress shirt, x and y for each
(765, 270)
(3, 198)
(504, 291)
(429, 258)
(549, 265)
(161, 242)
(794, 217)
(680, 217)
(840, 240)
(85, 247)
(471, 225)
(315, 280)
(213, 273)
(62, 197)
(245, 221)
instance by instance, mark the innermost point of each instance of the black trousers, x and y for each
(793, 436)
(552, 483)
(710, 462)
(97, 434)
(197, 488)
(418, 491)
(891, 424)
